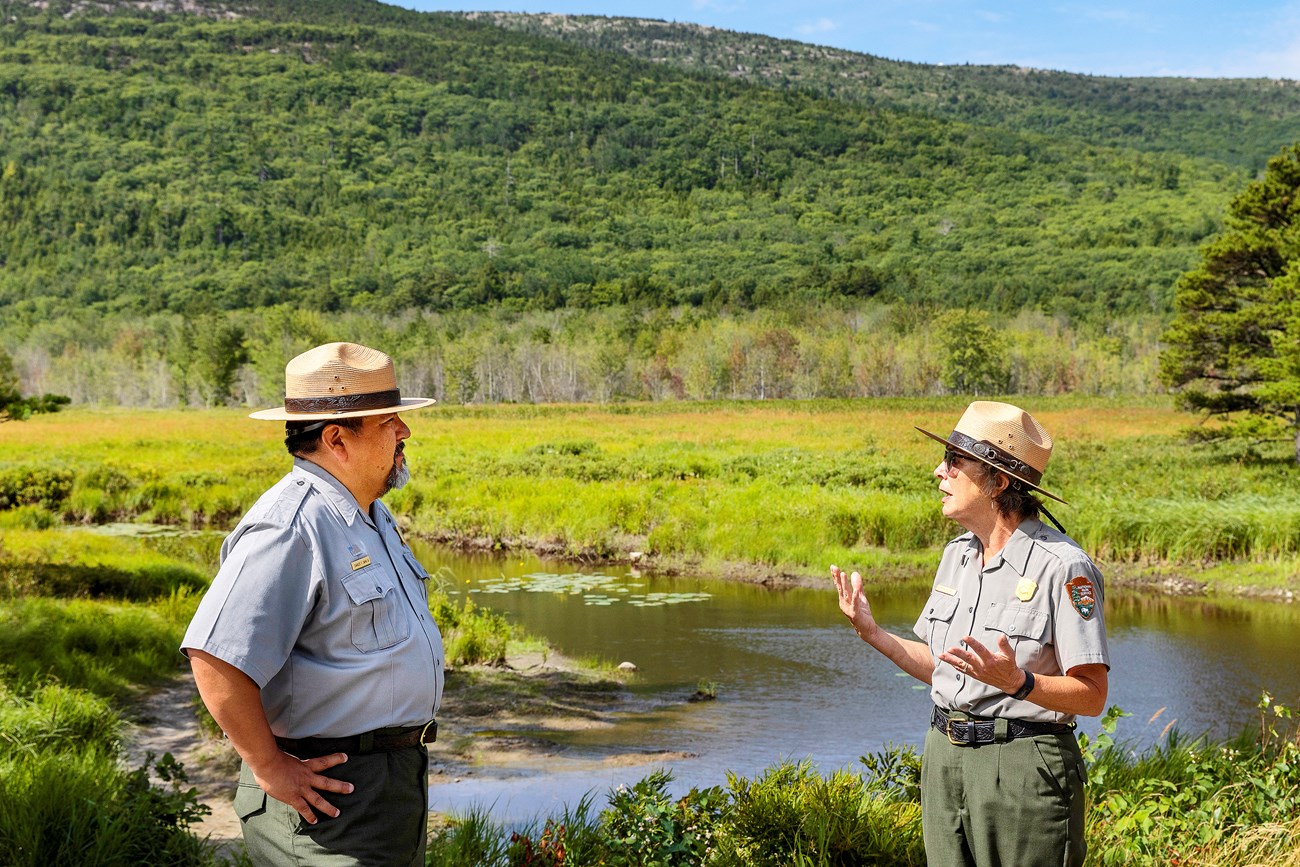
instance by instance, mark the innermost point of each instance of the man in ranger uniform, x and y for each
(314, 648)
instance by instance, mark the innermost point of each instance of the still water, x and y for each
(794, 682)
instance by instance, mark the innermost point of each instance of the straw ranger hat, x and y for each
(340, 380)
(1006, 438)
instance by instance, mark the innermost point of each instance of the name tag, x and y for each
(360, 564)
(946, 590)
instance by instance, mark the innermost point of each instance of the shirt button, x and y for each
(300, 483)
(972, 608)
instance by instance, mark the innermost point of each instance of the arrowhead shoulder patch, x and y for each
(1083, 596)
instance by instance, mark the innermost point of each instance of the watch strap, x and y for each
(1026, 688)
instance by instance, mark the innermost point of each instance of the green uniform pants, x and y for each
(382, 823)
(1013, 804)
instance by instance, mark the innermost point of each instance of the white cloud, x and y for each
(821, 25)
(991, 17)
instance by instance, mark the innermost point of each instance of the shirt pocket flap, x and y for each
(366, 585)
(1019, 621)
(415, 566)
(940, 606)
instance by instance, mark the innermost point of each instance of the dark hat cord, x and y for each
(1051, 518)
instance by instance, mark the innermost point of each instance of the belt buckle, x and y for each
(433, 723)
(957, 718)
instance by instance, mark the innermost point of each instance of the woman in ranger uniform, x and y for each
(1013, 646)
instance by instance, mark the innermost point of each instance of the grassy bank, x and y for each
(88, 624)
(1180, 802)
(757, 489)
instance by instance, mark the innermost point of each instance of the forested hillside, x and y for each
(169, 169)
(1238, 121)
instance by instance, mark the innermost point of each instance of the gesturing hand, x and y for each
(853, 602)
(996, 668)
(299, 783)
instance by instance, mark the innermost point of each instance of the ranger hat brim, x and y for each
(340, 380)
(1004, 437)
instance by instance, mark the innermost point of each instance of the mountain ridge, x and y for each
(344, 153)
(973, 92)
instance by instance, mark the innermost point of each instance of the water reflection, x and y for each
(793, 681)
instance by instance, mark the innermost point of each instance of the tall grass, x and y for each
(76, 808)
(786, 485)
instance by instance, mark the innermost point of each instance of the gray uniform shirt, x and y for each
(326, 609)
(1041, 591)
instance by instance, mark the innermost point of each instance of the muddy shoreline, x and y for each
(492, 717)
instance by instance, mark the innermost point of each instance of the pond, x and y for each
(794, 682)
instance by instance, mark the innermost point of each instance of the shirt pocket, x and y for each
(419, 572)
(378, 620)
(1025, 628)
(937, 614)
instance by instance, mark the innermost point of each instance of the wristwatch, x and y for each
(1025, 688)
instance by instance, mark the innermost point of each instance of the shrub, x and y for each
(791, 814)
(79, 809)
(645, 827)
(1184, 799)
(471, 634)
(34, 486)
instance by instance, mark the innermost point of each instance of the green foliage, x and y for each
(471, 840)
(34, 486)
(101, 647)
(645, 827)
(62, 565)
(1178, 802)
(56, 717)
(1183, 799)
(1234, 344)
(894, 771)
(357, 160)
(470, 634)
(77, 808)
(975, 355)
(791, 814)
(1239, 121)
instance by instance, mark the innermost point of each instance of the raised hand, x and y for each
(853, 602)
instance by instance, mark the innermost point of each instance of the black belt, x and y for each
(377, 741)
(965, 730)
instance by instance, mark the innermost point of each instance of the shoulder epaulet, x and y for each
(289, 499)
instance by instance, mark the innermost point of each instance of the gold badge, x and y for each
(1026, 589)
(360, 564)
(945, 589)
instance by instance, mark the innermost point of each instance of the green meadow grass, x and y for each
(776, 486)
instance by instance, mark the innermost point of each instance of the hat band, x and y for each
(345, 402)
(996, 457)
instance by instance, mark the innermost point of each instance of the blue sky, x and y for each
(1226, 38)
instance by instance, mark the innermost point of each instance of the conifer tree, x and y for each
(1234, 344)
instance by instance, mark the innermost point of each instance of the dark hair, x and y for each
(1015, 500)
(302, 438)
